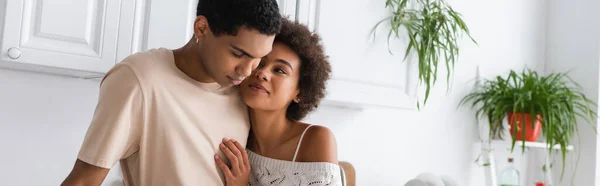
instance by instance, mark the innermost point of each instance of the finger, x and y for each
(244, 153)
(236, 152)
(232, 159)
(223, 168)
(234, 148)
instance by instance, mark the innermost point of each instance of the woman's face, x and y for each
(273, 85)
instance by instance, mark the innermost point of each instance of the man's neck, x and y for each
(189, 62)
(270, 129)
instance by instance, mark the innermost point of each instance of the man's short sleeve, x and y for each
(114, 132)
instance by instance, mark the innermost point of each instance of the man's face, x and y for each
(229, 59)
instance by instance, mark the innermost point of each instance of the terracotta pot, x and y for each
(532, 131)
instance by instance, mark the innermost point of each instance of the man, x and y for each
(163, 113)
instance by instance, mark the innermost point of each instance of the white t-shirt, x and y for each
(163, 126)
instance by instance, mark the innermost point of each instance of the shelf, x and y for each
(540, 145)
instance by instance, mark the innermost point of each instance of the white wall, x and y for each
(573, 35)
(43, 118)
(389, 147)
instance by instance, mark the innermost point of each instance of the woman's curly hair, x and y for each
(314, 68)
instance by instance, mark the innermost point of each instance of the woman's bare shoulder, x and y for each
(318, 145)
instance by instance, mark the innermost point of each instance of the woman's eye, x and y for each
(278, 70)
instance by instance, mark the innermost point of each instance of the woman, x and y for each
(287, 85)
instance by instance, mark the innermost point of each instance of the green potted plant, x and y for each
(434, 31)
(551, 102)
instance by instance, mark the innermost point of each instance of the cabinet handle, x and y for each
(14, 53)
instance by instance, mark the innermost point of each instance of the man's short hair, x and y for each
(228, 16)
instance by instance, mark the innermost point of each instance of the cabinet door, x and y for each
(365, 73)
(77, 37)
(287, 8)
(169, 24)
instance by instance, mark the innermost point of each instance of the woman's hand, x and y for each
(239, 173)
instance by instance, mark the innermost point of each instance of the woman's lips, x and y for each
(258, 88)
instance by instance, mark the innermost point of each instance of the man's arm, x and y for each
(85, 174)
(114, 131)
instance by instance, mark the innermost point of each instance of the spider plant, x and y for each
(555, 97)
(434, 30)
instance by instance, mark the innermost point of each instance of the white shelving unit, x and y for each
(488, 152)
(487, 148)
(542, 145)
(529, 145)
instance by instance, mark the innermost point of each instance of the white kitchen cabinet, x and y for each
(365, 73)
(287, 8)
(82, 38)
(85, 38)
(170, 23)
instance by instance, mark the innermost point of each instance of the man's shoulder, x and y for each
(147, 60)
(146, 64)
